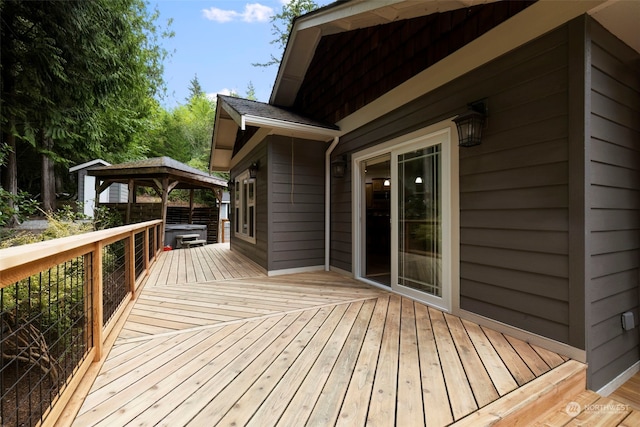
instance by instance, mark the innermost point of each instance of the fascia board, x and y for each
(214, 137)
(256, 139)
(289, 126)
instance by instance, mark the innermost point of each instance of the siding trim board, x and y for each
(613, 205)
(578, 97)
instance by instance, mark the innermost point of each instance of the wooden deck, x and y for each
(213, 341)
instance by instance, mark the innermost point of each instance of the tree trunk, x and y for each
(47, 179)
(11, 176)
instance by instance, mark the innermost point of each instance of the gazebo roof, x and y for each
(148, 172)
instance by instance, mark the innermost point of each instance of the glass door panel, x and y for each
(376, 260)
(420, 220)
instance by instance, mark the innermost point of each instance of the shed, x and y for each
(118, 193)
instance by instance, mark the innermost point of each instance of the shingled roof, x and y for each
(249, 108)
(237, 114)
(146, 170)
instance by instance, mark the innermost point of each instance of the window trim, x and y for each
(245, 217)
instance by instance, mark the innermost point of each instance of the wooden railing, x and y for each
(59, 302)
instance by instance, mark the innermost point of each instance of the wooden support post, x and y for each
(191, 206)
(130, 263)
(130, 201)
(165, 201)
(218, 194)
(96, 201)
(96, 300)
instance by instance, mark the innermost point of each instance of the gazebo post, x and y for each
(191, 206)
(165, 202)
(131, 199)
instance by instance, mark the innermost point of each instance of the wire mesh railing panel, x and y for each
(152, 244)
(44, 336)
(139, 253)
(114, 278)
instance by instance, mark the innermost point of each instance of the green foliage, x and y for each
(184, 133)
(23, 206)
(63, 223)
(105, 217)
(282, 22)
(251, 92)
(79, 78)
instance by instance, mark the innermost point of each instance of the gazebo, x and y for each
(163, 175)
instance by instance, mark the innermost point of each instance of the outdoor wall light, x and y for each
(230, 184)
(339, 167)
(470, 124)
(253, 170)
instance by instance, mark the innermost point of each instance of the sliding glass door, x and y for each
(402, 204)
(420, 220)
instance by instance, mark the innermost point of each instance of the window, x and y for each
(245, 207)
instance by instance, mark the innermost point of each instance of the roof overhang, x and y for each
(150, 172)
(234, 114)
(618, 16)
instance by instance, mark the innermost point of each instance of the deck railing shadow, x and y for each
(59, 302)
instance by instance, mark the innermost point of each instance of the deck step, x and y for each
(188, 240)
(190, 243)
(524, 406)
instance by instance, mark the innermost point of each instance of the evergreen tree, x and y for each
(78, 80)
(195, 89)
(281, 24)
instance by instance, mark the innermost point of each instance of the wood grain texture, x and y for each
(311, 349)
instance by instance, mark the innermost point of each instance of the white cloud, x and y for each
(225, 91)
(253, 12)
(256, 12)
(219, 15)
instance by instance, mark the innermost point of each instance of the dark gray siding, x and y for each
(514, 207)
(296, 209)
(256, 252)
(340, 252)
(614, 202)
(514, 188)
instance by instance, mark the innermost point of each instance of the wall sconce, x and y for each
(470, 124)
(231, 184)
(253, 170)
(339, 167)
(387, 182)
(418, 180)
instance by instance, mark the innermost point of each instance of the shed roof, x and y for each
(89, 164)
(146, 172)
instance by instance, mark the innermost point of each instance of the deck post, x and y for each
(96, 300)
(145, 251)
(130, 263)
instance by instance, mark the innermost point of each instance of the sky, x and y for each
(217, 41)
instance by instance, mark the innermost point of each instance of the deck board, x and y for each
(213, 341)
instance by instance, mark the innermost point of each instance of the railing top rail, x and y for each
(19, 255)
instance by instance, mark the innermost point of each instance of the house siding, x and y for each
(340, 81)
(341, 234)
(614, 205)
(296, 208)
(514, 188)
(256, 252)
